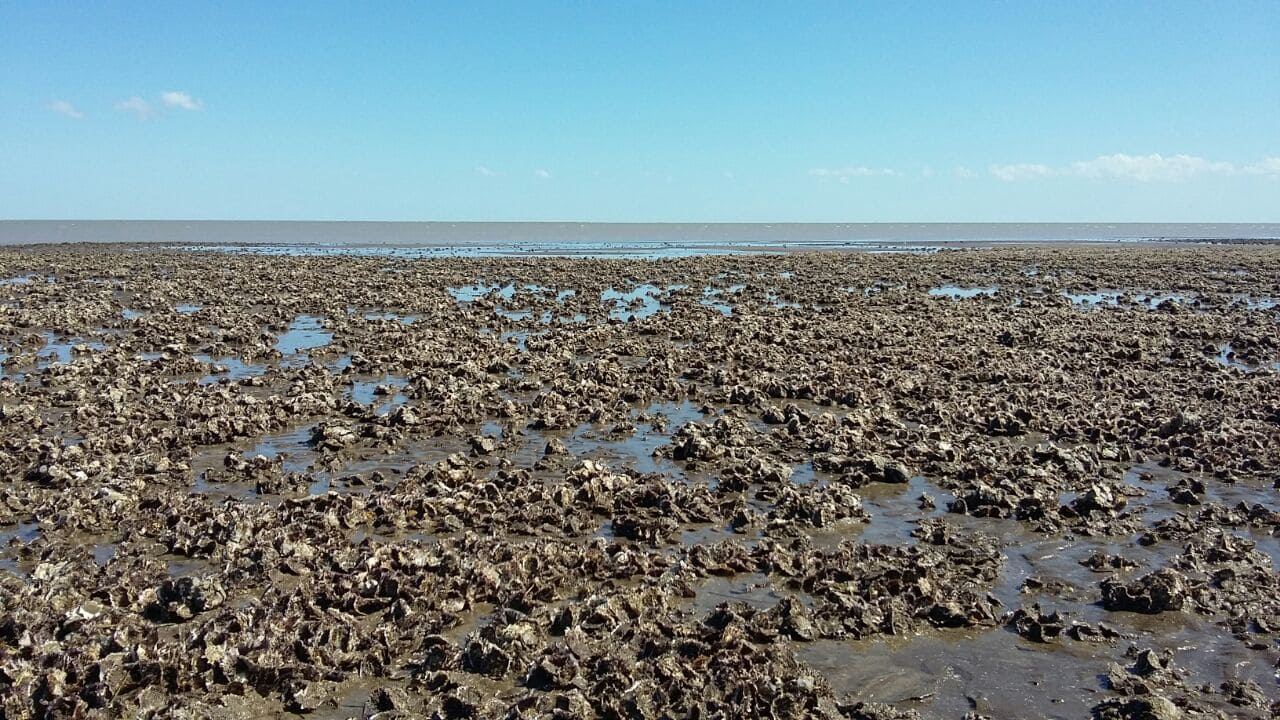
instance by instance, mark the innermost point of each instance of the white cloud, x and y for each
(178, 99)
(485, 171)
(1149, 168)
(1266, 166)
(1140, 168)
(845, 173)
(1021, 171)
(963, 172)
(62, 107)
(136, 105)
(542, 174)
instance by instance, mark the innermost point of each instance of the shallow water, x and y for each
(957, 291)
(63, 351)
(232, 368)
(1127, 297)
(364, 392)
(306, 332)
(991, 670)
(644, 300)
(946, 674)
(1226, 357)
(291, 446)
(393, 317)
(896, 511)
(717, 298)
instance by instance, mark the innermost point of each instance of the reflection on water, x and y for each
(391, 317)
(229, 367)
(385, 392)
(957, 291)
(644, 300)
(293, 447)
(305, 333)
(62, 351)
(1227, 356)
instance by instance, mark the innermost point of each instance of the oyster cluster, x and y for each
(244, 486)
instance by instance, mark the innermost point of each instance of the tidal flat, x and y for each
(988, 483)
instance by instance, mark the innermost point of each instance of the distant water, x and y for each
(600, 239)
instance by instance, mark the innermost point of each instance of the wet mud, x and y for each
(1006, 482)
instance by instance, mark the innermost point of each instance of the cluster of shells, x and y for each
(245, 486)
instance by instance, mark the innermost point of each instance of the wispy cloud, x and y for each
(844, 174)
(1141, 168)
(136, 105)
(486, 171)
(1266, 166)
(62, 107)
(545, 175)
(1149, 168)
(1021, 171)
(179, 99)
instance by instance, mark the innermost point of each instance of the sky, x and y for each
(1017, 111)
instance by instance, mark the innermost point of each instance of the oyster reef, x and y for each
(1014, 482)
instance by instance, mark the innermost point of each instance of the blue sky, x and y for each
(642, 111)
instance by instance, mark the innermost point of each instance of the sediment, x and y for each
(992, 483)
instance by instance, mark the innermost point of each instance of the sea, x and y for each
(619, 240)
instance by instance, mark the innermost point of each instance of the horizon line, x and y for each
(650, 222)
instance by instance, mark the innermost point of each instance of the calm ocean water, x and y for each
(597, 239)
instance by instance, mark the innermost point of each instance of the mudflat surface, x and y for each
(991, 483)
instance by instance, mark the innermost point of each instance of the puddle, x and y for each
(517, 315)
(180, 567)
(188, 309)
(776, 301)
(895, 510)
(102, 554)
(1115, 298)
(1227, 357)
(229, 367)
(23, 533)
(391, 317)
(478, 291)
(293, 447)
(18, 280)
(635, 450)
(306, 332)
(752, 589)
(470, 293)
(713, 297)
(945, 675)
(63, 351)
(957, 291)
(520, 338)
(131, 314)
(645, 300)
(365, 392)
(1252, 302)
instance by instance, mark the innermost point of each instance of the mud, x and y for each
(992, 483)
